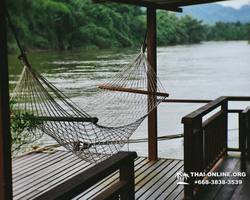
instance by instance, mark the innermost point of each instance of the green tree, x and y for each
(65, 24)
(227, 31)
(37, 22)
(195, 29)
(166, 32)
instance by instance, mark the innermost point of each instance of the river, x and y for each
(198, 71)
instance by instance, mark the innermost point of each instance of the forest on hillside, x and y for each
(66, 24)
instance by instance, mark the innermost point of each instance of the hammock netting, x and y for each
(101, 128)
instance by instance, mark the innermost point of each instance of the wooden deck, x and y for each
(38, 172)
(228, 190)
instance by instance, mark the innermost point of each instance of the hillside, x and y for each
(211, 13)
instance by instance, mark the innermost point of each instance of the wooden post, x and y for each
(151, 54)
(127, 174)
(189, 156)
(243, 135)
(242, 139)
(5, 139)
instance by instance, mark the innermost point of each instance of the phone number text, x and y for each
(218, 182)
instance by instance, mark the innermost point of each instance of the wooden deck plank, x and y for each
(180, 196)
(177, 193)
(163, 176)
(242, 191)
(166, 181)
(46, 171)
(46, 178)
(55, 180)
(93, 191)
(23, 162)
(227, 192)
(44, 164)
(171, 186)
(99, 187)
(35, 179)
(151, 180)
(227, 165)
(147, 174)
(27, 156)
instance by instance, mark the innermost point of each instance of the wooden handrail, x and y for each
(212, 105)
(205, 141)
(204, 110)
(123, 161)
(186, 101)
(133, 90)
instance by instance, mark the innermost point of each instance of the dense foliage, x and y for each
(227, 31)
(65, 24)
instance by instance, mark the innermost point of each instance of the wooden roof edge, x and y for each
(169, 7)
(182, 3)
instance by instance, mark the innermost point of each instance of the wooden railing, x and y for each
(122, 189)
(205, 137)
(244, 136)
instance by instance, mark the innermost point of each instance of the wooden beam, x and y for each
(161, 6)
(151, 55)
(171, 5)
(180, 3)
(5, 138)
(134, 90)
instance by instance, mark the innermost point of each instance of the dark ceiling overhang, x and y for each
(172, 5)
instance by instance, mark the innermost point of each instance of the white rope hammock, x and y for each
(115, 112)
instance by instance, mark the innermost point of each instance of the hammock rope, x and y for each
(112, 115)
(115, 112)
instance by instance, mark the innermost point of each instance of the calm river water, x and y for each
(201, 71)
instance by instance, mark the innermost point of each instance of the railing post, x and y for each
(193, 152)
(243, 135)
(5, 137)
(188, 158)
(127, 175)
(242, 139)
(224, 108)
(151, 55)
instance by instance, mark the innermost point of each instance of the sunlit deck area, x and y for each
(36, 173)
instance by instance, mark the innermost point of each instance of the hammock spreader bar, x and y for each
(133, 90)
(70, 119)
(94, 120)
